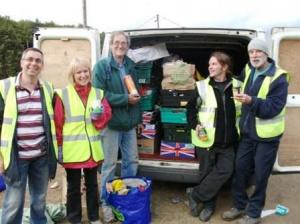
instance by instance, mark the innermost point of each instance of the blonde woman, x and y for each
(80, 113)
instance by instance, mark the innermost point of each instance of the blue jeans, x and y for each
(112, 141)
(37, 172)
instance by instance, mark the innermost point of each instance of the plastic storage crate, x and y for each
(148, 100)
(176, 132)
(173, 115)
(176, 98)
(144, 73)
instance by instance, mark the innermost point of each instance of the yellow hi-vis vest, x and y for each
(268, 128)
(8, 92)
(207, 112)
(81, 139)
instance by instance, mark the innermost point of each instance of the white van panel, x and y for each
(286, 52)
(60, 46)
(106, 47)
(206, 31)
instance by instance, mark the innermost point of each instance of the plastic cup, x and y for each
(281, 210)
(236, 90)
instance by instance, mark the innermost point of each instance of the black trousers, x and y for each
(74, 213)
(258, 158)
(216, 167)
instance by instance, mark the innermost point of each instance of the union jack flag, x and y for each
(147, 117)
(149, 131)
(177, 150)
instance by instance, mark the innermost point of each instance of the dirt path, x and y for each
(282, 189)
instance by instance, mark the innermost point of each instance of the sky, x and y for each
(113, 15)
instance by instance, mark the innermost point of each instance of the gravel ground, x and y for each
(169, 201)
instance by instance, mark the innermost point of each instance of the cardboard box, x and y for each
(146, 146)
(179, 71)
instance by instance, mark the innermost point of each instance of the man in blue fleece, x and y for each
(263, 98)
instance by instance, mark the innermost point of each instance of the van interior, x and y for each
(194, 49)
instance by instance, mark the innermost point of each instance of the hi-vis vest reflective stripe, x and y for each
(8, 92)
(268, 128)
(207, 112)
(81, 140)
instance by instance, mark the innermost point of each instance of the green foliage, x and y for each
(9, 43)
(14, 38)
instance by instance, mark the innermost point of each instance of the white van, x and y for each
(194, 46)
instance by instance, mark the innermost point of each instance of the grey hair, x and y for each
(116, 33)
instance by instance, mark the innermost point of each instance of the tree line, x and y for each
(14, 38)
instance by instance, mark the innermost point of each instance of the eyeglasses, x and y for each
(36, 60)
(122, 43)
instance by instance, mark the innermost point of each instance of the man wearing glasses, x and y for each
(28, 142)
(109, 75)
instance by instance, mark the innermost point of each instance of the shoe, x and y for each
(193, 205)
(249, 220)
(96, 222)
(232, 214)
(108, 216)
(205, 214)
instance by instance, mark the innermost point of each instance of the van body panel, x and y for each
(206, 31)
(286, 49)
(60, 46)
(194, 45)
(182, 172)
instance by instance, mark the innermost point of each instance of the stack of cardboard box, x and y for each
(178, 87)
(148, 137)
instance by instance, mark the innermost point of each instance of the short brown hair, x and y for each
(223, 59)
(31, 49)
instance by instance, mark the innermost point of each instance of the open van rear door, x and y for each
(286, 52)
(60, 46)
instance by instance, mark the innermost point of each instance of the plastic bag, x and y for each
(148, 53)
(2, 184)
(54, 213)
(133, 208)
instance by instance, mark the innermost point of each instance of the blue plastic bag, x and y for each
(2, 184)
(133, 208)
